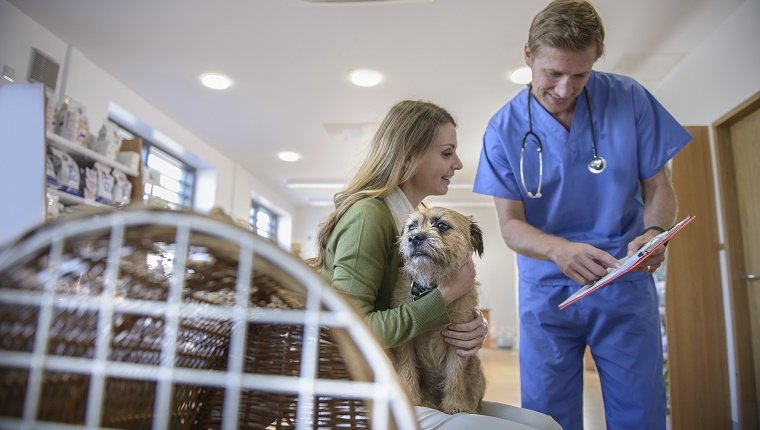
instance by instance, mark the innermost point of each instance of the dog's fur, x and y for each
(434, 244)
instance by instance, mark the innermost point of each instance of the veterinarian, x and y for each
(576, 164)
(413, 155)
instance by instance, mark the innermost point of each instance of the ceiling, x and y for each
(289, 60)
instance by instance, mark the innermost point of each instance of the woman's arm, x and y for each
(362, 263)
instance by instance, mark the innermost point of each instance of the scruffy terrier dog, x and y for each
(434, 244)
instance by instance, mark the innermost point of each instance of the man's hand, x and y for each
(654, 261)
(582, 262)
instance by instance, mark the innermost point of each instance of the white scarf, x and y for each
(399, 206)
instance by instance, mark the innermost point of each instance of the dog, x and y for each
(434, 244)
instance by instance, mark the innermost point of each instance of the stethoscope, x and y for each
(595, 166)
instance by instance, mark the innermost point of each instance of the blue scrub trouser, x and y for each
(621, 324)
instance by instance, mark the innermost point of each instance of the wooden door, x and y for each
(695, 321)
(738, 149)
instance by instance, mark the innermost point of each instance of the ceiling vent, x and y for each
(364, 1)
(43, 69)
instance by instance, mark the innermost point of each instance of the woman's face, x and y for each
(436, 168)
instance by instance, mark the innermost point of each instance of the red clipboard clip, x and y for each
(629, 263)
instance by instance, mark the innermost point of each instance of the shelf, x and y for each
(71, 199)
(83, 151)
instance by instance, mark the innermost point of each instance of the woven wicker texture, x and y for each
(132, 320)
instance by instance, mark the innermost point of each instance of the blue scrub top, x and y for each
(635, 134)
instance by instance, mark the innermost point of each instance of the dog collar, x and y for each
(418, 291)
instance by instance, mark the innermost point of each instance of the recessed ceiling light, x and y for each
(365, 77)
(288, 156)
(215, 81)
(521, 75)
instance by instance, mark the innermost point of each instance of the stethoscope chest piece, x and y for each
(597, 165)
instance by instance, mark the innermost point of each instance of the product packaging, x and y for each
(130, 159)
(51, 109)
(71, 122)
(105, 184)
(66, 171)
(50, 170)
(108, 142)
(89, 183)
(122, 188)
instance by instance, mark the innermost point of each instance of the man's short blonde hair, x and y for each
(567, 24)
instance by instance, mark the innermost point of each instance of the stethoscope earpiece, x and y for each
(596, 165)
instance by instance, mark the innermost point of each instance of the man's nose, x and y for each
(563, 88)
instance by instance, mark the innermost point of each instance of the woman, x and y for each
(356, 248)
(412, 156)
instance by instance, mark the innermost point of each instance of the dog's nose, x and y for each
(416, 238)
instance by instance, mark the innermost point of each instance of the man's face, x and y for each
(559, 76)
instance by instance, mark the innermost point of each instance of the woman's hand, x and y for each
(467, 337)
(461, 283)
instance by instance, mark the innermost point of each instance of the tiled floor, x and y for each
(503, 385)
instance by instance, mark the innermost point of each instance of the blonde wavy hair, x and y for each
(567, 24)
(400, 142)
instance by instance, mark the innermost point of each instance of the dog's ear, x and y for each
(476, 237)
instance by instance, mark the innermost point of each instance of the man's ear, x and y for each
(528, 56)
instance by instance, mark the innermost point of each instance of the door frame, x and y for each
(733, 246)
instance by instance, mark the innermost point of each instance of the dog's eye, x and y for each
(411, 227)
(442, 226)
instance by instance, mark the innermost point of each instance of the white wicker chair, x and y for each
(159, 319)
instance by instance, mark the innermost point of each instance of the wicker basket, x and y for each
(158, 319)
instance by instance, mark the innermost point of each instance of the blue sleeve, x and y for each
(660, 136)
(495, 176)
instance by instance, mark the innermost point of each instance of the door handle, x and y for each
(750, 277)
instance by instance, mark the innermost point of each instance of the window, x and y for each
(167, 179)
(263, 221)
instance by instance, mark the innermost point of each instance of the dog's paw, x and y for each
(460, 411)
(459, 407)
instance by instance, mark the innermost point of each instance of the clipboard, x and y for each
(629, 263)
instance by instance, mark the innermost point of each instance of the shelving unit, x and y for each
(86, 156)
(79, 151)
(22, 172)
(71, 199)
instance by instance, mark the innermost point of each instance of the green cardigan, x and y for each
(362, 261)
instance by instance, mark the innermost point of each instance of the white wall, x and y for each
(221, 182)
(246, 187)
(721, 74)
